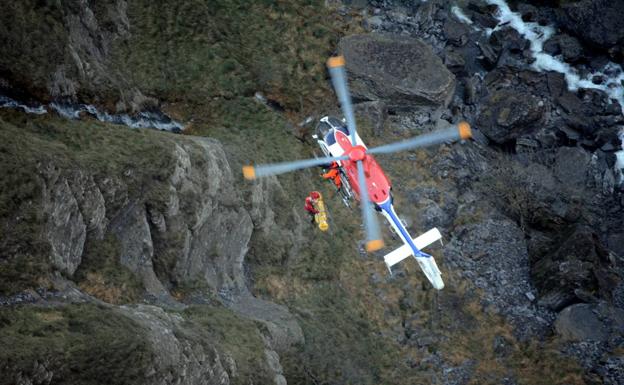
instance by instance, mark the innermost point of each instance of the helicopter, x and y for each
(368, 182)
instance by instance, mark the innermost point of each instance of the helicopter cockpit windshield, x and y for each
(338, 124)
(326, 126)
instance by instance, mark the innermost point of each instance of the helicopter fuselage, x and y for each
(377, 182)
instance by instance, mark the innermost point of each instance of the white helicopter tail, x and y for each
(427, 264)
(405, 251)
(430, 268)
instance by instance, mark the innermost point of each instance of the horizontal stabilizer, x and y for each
(405, 251)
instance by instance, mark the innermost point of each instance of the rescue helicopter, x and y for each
(368, 182)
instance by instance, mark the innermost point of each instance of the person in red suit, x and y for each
(309, 204)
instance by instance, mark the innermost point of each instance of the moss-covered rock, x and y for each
(80, 344)
(90, 344)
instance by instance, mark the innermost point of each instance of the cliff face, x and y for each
(135, 256)
(136, 231)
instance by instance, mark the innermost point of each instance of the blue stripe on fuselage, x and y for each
(387, 207)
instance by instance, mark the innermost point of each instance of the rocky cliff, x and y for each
(138, 256)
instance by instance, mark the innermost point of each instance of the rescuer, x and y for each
(309, 204)
(334, 174)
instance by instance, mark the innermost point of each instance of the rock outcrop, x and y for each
(78, 62)
(185, 228)
(506, 114)
(578, 267)
(597, 22)
(403, 72)
(65, 228)
(180, 356)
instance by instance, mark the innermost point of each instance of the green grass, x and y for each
(102, 275)
(193, 49)
(33, 40)
(80, 344)
(223, 329)
(90, 344)
(342, 344)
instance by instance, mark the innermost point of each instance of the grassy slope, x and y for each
(74, 342)
(137, 157)
(89, 344)
(33, 41)
(196, 50)
(240, 338)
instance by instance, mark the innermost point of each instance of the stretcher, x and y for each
(321, 217)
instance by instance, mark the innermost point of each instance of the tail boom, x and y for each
(413, 247)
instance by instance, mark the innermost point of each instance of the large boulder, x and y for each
(579, 323)
(597, 22)
(512, 102)
(399, 70)
(576, 266)
(590, 322)
(565, 45)
(572, 166)
(508, 114)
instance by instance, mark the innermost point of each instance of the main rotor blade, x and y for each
(371, 226)
(461, 131)
(253, 172)
(336, 67)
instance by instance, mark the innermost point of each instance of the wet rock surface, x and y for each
(596, 22)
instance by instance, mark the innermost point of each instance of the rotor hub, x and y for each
(357, 153)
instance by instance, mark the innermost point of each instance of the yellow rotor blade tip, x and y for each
(374, 245)
(464, 130)
(249, 172)
(336, 61)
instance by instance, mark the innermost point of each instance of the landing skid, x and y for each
(346, 194)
